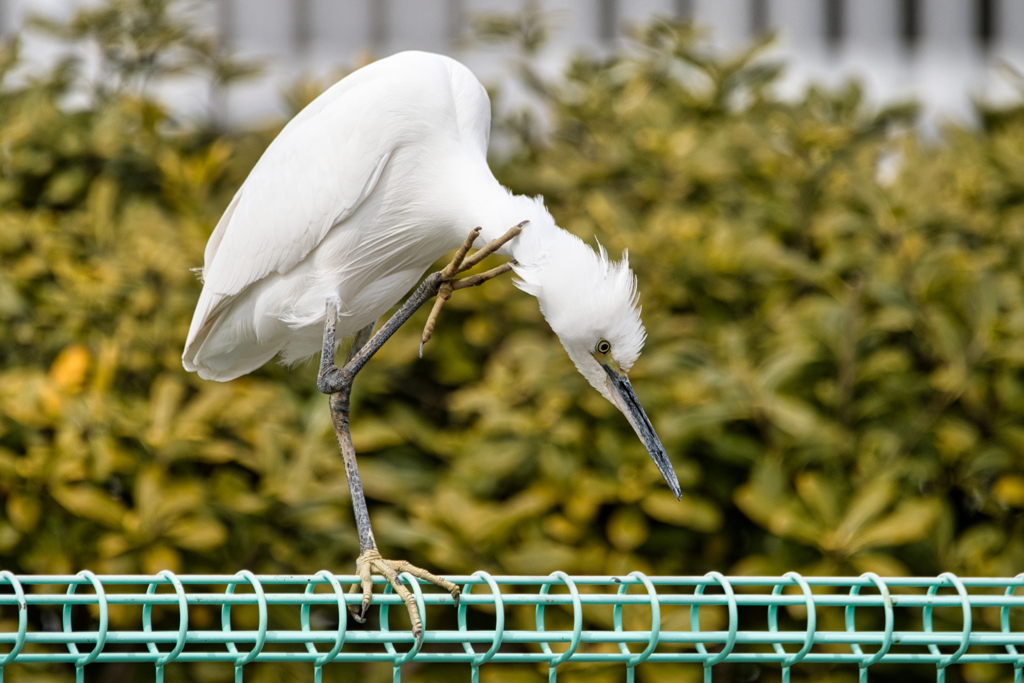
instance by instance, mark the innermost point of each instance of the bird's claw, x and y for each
(460, 264)
(371, 562)
(359, 614)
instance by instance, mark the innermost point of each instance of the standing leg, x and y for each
(337, 382)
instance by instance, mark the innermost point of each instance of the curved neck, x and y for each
(484, 203)
(540, 239)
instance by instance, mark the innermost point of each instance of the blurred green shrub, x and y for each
(835, 359)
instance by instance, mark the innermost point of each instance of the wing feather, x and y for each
(265, 234)
(313, 176)
(316, 173)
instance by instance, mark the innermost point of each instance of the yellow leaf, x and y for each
(627, 529)
(9, 537)
(1009, 490)
(198, 533)
(89, 502)
(159, 557)
(883, 565)
(371, 435)
(818, 496)
(955, 438)
(909, 522)
(165, 399)
(23, 511)
(868, 502)
(68, 370)
(690, 512)
(112, 545)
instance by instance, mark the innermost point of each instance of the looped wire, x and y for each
(948, 578)
(225, 620)
(577, 623)
(19, 642)
(339, 640)
(734, 622)
(812, 620)
(101, 638)
(499, 625)
(1004, 621)
(851, 624)
(655, 623)
(400, 659)
(147, 622)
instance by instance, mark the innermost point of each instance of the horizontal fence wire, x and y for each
(547, 620)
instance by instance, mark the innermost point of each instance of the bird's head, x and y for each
(592, 305)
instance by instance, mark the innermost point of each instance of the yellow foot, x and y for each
(370, 563)
(461, 264)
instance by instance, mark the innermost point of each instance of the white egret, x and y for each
(366, 187)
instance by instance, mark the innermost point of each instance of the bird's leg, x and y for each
(332, 378)
(339, 402)
(337, 383)
(370, 561)
(460, 264)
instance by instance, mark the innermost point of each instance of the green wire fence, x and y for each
(518, 614)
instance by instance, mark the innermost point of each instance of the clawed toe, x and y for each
(371, 562)
(359, 615)
(460, 264)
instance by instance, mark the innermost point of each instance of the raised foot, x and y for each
(460, 264)
(370, 563)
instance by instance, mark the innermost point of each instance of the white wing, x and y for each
(317, 172)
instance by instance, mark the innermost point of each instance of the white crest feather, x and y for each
(583, 294)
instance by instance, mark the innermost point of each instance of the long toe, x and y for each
(389, 571)
(438, 581)
(358, 612)
(372, 563)
(364, 569)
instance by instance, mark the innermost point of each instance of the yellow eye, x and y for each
(603, 347)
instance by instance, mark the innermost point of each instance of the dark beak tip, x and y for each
(641, 424)
(673, 485)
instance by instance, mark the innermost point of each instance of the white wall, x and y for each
(945, 70)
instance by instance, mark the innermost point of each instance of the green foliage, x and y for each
(834, 352)
(834, 359)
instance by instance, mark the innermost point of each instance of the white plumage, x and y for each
(346, 203)
(360, 193)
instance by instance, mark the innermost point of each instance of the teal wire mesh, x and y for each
(550, 621)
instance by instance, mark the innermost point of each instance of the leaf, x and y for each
(9, 537)
(911, 521)
(373, 435)
(68, 370)
(782, 517)
(85, 500)
(197, 533)
(23, 511)
(820, 496)
(627, 529)
(690, 511)
(158, 557)
(869, 501)
(1009, 490)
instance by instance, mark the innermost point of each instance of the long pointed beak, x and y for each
(627, 402)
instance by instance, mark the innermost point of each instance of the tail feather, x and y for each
(222, 343)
